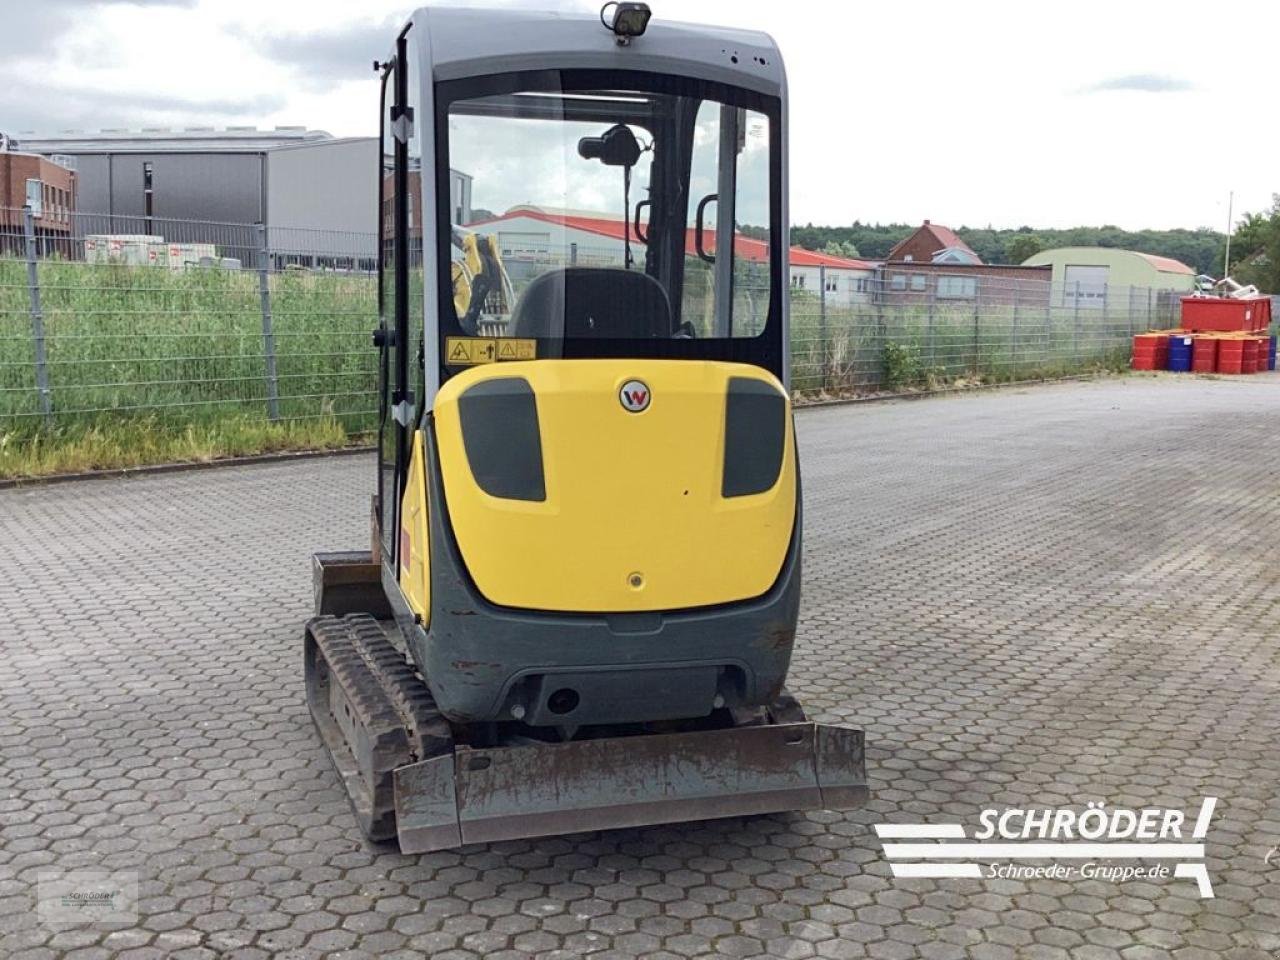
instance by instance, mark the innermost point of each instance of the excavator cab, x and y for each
(581, 600)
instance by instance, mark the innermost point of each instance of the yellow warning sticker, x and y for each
(467, 351)
(517, 349)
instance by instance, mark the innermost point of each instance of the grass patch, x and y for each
(187, 346)
(142, 441)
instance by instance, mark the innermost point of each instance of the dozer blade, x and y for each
(407, 779)
(535, 790)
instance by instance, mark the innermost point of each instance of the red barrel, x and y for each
(1230, 356)
(1249, 361)
(1150, 351)
(1204, 355)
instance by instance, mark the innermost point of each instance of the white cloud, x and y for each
(963, 113)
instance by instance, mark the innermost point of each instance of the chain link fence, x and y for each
(907, 331)
(181, 321)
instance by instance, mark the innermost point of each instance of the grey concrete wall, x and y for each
(189, 186)
(322, 197)
(93, 183)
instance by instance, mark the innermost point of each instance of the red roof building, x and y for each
(930, 242)
(534, 233)
(748, 248)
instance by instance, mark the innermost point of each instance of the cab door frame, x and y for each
(396, 404)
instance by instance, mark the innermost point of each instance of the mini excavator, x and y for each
(580, 603)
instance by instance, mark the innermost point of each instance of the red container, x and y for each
(1249, 363)
(1150, 351)
(1230, 355)
(1204, 355)
(1224, 314)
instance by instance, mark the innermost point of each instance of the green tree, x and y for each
(1255, 249)
(841, 248)
(1019, 248)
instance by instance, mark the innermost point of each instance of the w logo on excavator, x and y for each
(634, 396)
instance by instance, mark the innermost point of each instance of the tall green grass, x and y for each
(877, 348)
(185, 347)
(147, 365)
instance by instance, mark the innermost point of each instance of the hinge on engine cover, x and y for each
(402, 123)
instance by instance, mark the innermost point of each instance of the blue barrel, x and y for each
(1271, 354)
(1180, 353)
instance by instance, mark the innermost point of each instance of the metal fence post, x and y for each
(878, 337)
(824, 342)
(1050, 339)
(1075, 327)
(37, 317)
(977, 325)
(268, 336)
(1013, 333)
(930, 325)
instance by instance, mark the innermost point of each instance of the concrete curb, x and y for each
(949, 391)
(122, 472)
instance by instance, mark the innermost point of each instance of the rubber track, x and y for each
(394, 709)
(426, 729)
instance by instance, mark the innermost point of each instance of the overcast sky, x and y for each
(977, 113)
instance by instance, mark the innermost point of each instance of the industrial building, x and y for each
(313, 191)
(1082, 275)
(192, 174)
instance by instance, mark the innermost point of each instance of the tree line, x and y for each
(1201, 249)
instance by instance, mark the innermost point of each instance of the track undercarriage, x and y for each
(413, 776)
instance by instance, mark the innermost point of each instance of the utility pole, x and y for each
(1226, 260)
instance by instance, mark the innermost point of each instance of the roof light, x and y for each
(629, 20)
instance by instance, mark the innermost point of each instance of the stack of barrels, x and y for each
(1218, 335)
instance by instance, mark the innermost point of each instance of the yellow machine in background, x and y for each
(581, 604)
(482, 293)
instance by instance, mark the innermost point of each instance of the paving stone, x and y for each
(1026, 597)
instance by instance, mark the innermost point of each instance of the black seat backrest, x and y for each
(594, 302)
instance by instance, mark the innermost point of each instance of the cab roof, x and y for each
(468, 42)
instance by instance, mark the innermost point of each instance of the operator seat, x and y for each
(606, 302)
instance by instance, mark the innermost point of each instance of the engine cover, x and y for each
(618, 486)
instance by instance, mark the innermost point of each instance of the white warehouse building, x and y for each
(533, 234)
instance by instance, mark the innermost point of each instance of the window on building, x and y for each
(863, 285)
(147, 193)
(832, 284)
(957, 288)
(797, 280)
(917, 281)
(898, 281)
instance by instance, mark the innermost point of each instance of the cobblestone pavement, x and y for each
(1038, 596)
